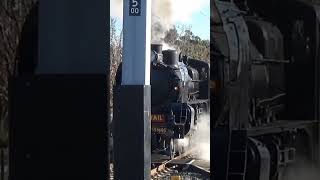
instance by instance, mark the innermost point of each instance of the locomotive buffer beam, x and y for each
(281, 126)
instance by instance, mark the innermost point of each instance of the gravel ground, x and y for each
(182, 176)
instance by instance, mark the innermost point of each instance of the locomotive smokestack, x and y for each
(170, 57)
(157, 48)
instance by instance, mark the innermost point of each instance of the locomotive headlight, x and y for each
(177, 86)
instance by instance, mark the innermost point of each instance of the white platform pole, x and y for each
(136, 39)
(132, 124)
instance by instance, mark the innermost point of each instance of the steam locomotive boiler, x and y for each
(265, 76)
(179, 96)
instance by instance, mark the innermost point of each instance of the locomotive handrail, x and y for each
(199, 80)
(270, 99)
(265, 60)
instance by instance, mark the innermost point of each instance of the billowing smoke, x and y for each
(200, 140)
(166, 46)
(165, 13)
(161, 19)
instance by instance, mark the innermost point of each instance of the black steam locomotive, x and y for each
(265, 77)
(179, 96)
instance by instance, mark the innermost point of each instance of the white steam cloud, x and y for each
(200, 139)
(166, 46)
(165, 13)
(161, 20)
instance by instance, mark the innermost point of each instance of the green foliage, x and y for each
(188, 43)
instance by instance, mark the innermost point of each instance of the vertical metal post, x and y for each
(132, 140)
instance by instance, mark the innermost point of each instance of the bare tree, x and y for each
(115, 52)
(12, 16)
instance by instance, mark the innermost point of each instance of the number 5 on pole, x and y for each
(134, 3)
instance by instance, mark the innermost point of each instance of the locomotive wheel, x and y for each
(188, 145)
(171, 149)
(182, 148)
(178, 148)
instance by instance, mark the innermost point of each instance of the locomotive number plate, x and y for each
(158, 118)
(158, 130)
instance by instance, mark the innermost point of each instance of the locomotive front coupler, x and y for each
(174, 130)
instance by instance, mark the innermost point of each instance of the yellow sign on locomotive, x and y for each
(158, 118)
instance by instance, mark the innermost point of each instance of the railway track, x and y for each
(172, 167)
(161, 169)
